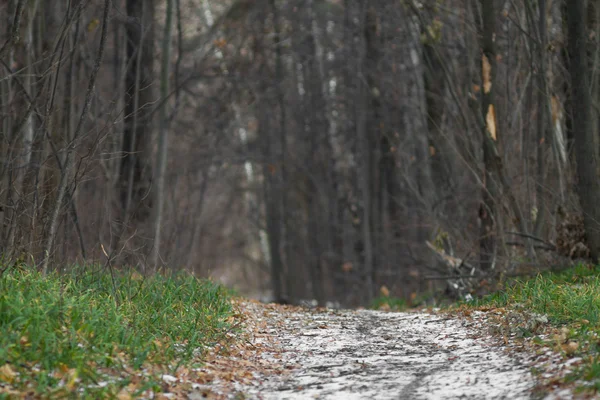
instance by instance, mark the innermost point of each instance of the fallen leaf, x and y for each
(385, 292)
(7, 374)
(571, 347)
(124, 395)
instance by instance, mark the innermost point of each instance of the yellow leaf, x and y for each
(93, 24)
(7, 374)
(124, 395)
(571, 347)
(486, 68)
(73, 378)
(490, 121)
(385, 291)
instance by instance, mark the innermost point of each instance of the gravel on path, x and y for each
(287, 352)
(383, 355)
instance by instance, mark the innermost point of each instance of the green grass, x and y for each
(81, 331)
(571, 302)
(568, 297)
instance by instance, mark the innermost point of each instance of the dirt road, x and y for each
(330, 354)
(380, 355)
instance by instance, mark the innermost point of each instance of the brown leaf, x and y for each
(486, 68)
(384, 291)
(571, 347)
(490, 120)
(7, 374)
(220, 43)
(347, 266)
(124, 395)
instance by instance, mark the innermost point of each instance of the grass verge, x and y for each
(93, 334)
(559, 311)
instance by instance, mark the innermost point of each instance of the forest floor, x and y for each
(89, 334)
(297, 353)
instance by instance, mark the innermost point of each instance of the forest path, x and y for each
(296, 353)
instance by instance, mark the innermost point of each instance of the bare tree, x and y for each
(77, 134)
(490, 193)
(136, 166)
(586, 149)
(324, 149)
(163, 136)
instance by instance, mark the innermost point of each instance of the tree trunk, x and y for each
(364, 150)
(542, 122)
(277, 280)
(490, 193)
(163, 135)
(134, 179)
(586, 153)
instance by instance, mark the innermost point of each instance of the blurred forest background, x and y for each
(308, 149)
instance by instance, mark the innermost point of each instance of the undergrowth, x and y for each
(91, 333)
(571, 302)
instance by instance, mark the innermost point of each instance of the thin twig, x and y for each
(529, 236)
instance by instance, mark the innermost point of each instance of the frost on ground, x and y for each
(379, 355)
